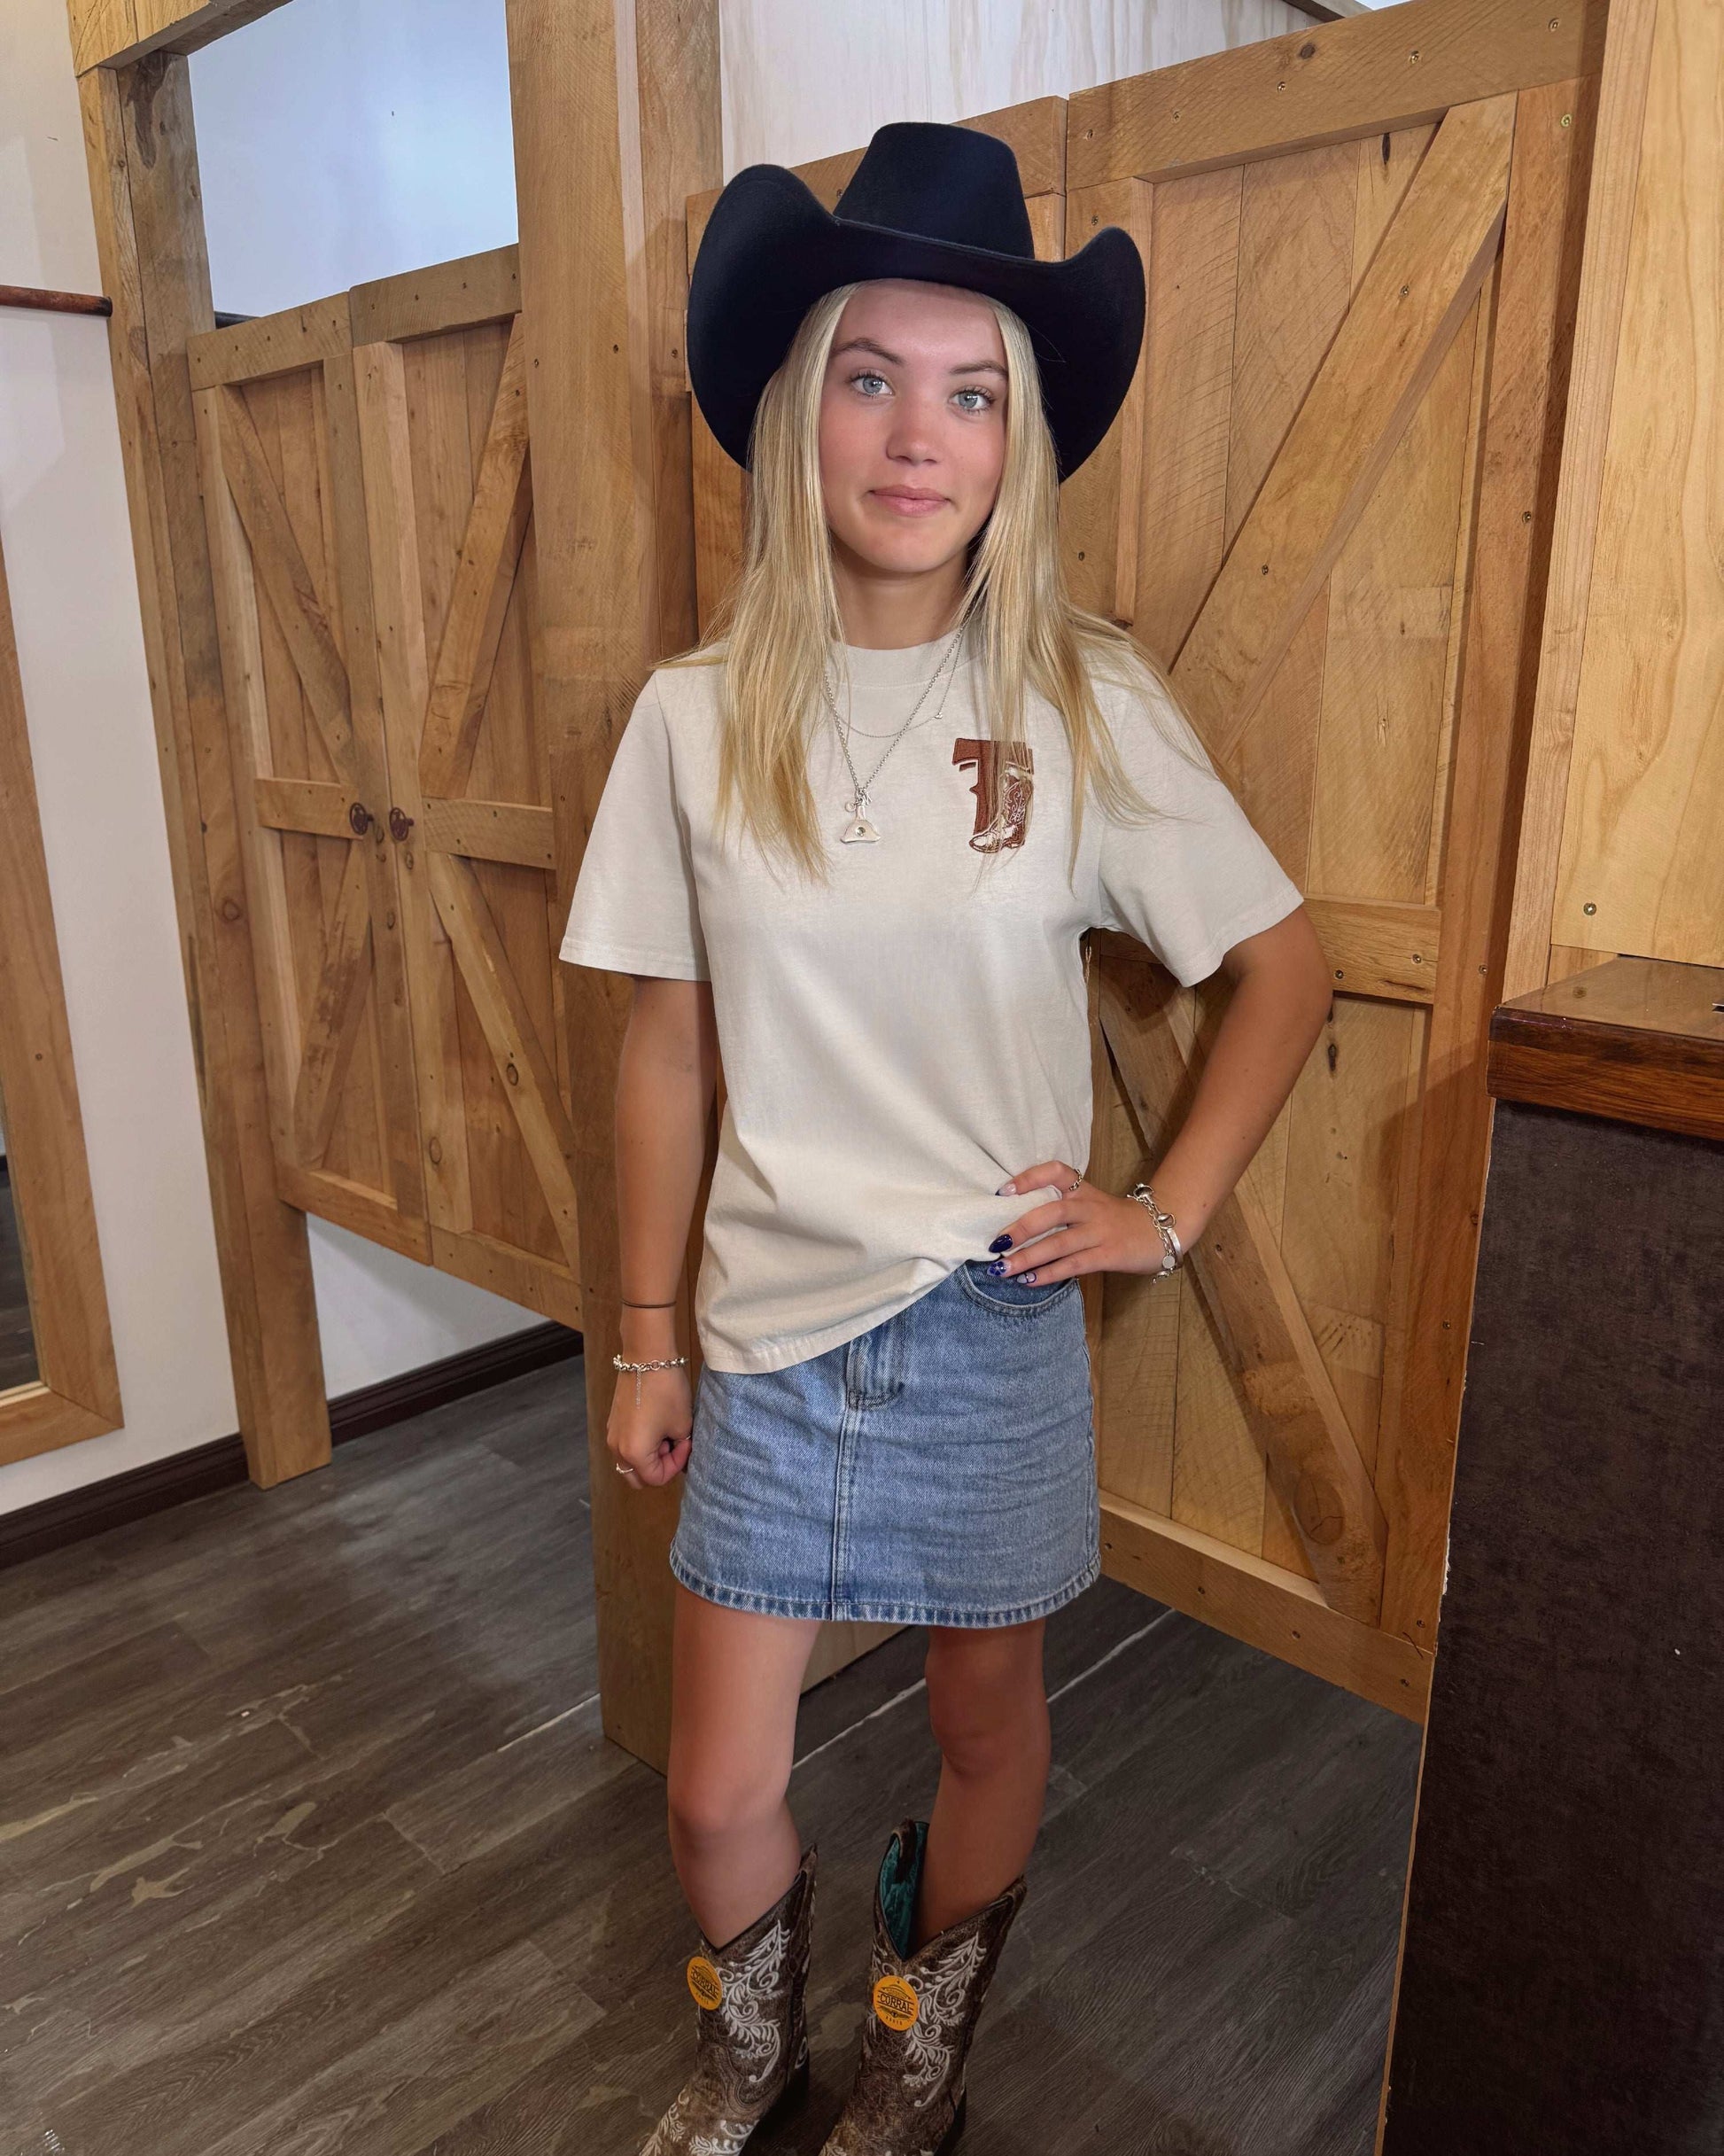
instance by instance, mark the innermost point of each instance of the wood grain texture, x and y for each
(73, 1391)
(615, 108)
(1640, 868)
(1640, 1040)
(1535, 301)
(1282, 1387)
(1609, 229)
(1374, 377)
(119, 32)
(1401, 67)
(141, 151)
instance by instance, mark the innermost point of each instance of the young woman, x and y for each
(853, 842)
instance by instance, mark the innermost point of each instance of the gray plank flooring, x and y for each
(310, 1845)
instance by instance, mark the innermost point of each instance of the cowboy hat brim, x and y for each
(770, 248)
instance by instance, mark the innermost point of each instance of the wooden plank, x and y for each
(485, 1262)
(1538, 282)
(52, 1199)
(116, 33)
(1401, 67)
(270, 343)
(381, 405)
(1099, 504)
(354, 1207)
(34, 1420)
(1414, 298)
(305, 804)
(282, 571)
(331, 1025)
(489, 979)
(1378, 948)
(493, 831)
(142, 154)
(1638, 1040)
(1262, 1604)
(1641, 867)
(483, 577)
(451, 295)
(1610, 226)
(629, 135)
(1287, 1394)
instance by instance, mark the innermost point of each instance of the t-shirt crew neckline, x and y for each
(902, 673)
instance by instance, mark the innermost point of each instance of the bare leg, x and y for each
(988, 1705)
(735, 1678)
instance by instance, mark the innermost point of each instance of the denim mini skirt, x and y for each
(936, 1469)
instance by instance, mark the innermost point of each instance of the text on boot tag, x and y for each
(895, 2002)
(705, 1982)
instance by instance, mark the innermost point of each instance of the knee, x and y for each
(986, 1703)
(709, 1802)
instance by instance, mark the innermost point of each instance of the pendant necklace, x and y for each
(861, 828)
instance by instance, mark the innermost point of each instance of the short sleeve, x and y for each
(636, 909)
(1192, 883)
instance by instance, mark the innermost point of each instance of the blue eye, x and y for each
(986, 396)
(867, 374)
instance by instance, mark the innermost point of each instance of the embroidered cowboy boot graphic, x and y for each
(1005, 781)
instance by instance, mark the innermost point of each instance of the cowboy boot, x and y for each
(752, 2038)
(908, 2098)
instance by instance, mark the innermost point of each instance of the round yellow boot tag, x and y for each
(895, 2002)
(705, 1982)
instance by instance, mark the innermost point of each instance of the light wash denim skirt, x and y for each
(936, 1469)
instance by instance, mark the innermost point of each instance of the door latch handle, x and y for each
(400, 825)
(360, 818)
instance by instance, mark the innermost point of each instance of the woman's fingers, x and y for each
(1045, 1176)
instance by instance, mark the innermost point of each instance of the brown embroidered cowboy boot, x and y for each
(923, 2009)
(751, 2039)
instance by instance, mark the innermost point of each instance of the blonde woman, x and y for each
(852, 842)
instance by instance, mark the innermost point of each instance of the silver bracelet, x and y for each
(1173, 1255)
(664, 1362)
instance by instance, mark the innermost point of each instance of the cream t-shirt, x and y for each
(899, 1042)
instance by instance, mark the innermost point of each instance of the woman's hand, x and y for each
(1096, 1232)
(649, 1443)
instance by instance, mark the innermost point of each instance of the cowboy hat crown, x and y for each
(927, 201)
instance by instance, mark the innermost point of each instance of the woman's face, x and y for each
(913, 425)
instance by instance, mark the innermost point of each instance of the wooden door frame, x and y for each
(76, 1392)
(618, 98)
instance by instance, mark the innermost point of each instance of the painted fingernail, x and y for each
(999, 1266)
(1000, 1242)
(1029, 1276)
(1005, 1190)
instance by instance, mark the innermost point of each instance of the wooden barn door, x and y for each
(1326, 507)
(1326, 510)
(284, 504)
(368, 495)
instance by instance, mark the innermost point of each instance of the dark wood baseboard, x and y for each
(53, 1523)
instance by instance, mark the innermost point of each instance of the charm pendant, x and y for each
(860, 829)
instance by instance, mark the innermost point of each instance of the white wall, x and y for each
(339, 140)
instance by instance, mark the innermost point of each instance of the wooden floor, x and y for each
(310, 1846)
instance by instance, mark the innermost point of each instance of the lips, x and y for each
(908, 502)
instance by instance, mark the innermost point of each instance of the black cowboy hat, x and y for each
(943, 204)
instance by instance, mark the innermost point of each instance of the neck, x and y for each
(883, 612)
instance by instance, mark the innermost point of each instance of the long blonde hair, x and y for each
(776, 626)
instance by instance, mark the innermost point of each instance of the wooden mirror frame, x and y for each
(76, 1394)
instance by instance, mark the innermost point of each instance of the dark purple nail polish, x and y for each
(1029, 1276)
(999, 1266)
(1000, 1242)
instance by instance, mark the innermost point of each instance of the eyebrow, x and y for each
(867, 343)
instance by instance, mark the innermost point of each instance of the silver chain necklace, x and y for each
(861, 826)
